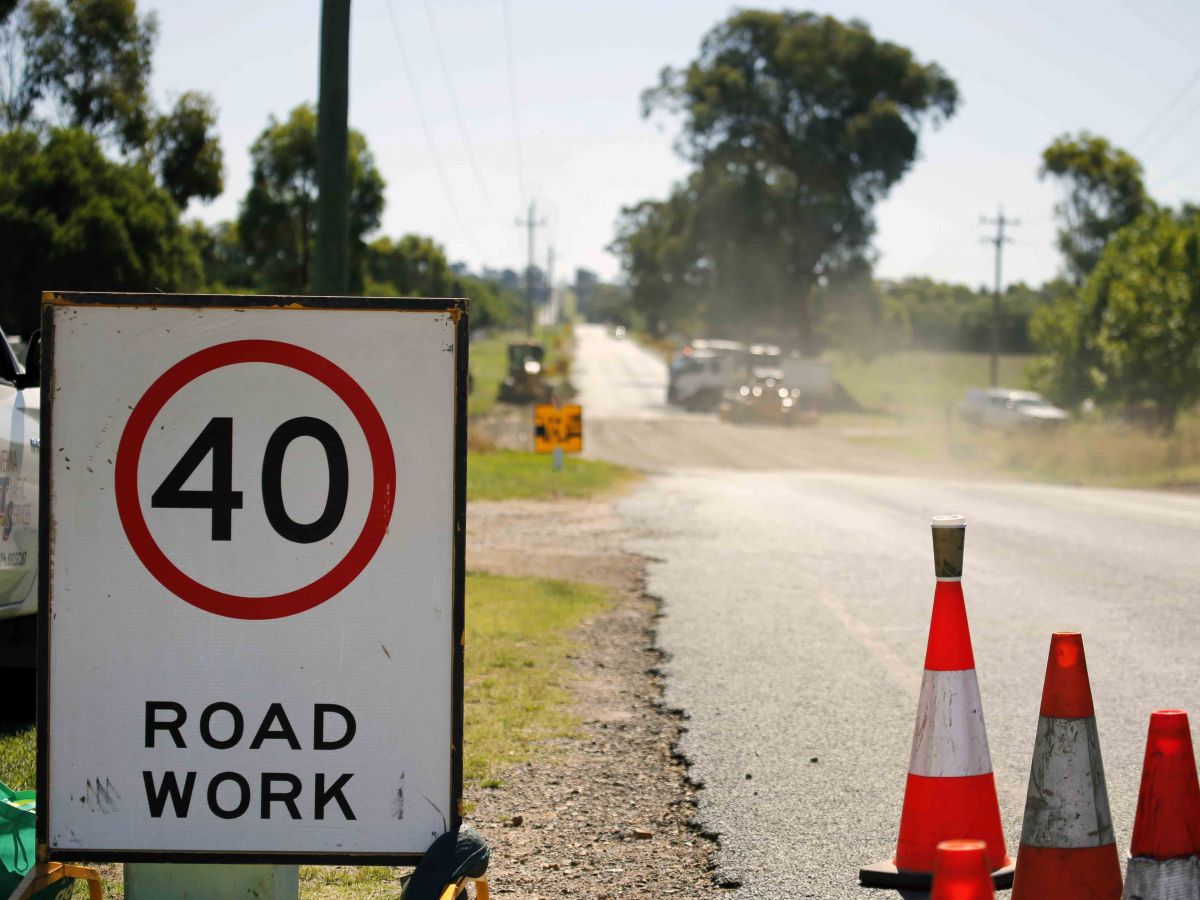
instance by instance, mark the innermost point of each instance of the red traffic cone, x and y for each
(1166, 832)
(1068, 850)
(961, 873)
(950, 792)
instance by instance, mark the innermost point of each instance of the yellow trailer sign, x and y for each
(557, 427)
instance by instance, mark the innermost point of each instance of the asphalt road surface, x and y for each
(796, 578)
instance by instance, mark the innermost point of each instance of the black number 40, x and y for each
(222, 499)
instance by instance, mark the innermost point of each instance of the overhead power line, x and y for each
(433, 150)
(462, 126)
(1170, 134)
(1158, 119)
(1189, 163)
(512, 96)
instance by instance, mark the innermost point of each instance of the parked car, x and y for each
(1008, 410)
(20, 445)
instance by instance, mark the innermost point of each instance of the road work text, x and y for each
(230, 794)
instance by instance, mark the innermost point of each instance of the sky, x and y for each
(474, 109)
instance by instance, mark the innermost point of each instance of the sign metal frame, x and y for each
(457, 310)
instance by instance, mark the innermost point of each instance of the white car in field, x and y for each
(20, 445)
(1008, 410)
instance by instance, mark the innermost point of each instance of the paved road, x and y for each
(796, 607)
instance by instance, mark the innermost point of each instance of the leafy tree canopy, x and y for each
(416, 266)
(1131, 335)
(186, 153)
(91, 59)
(86, 64)
(802, 123)
(654, 241)
(71, 219)
(1102, 192)
(278, 220)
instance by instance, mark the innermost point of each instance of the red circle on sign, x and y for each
(235, 606)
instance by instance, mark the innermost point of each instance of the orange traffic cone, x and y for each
(950, 792)
(1068, 850)
(960, 872)
(1166, 832)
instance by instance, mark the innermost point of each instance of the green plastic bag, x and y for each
(18, 844)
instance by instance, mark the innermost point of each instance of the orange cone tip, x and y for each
(1168, 811)
(960, 872)
(1067, 693)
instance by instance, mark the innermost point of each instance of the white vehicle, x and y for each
(812, 377)
(20, 445)
(699, 373)
(1008, 410)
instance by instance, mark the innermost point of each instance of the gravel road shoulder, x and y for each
(607, 814)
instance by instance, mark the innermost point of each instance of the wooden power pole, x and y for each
(332, 274)
(530, 223)
(998, 241)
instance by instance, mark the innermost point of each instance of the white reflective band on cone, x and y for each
(949, 740)
(1067, 803)
(1169, 879)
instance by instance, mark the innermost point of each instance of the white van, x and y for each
(699, 372)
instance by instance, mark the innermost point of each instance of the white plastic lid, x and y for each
(949, 521)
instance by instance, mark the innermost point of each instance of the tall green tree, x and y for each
(416, 266)
(185, 151)
(655, 243)
(812, 119)
(1131, 335)
(278, 220)
(227, 267)
(71, 219)
(86, 64)
(1102, 192)
(413, 266)
(91, 59)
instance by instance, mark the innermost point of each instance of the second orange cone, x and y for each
(1068, 850)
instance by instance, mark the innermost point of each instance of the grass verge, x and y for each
(516, 474)
(18, 755)
(922, 384)
(488, 367)
(517, 697)
(518, 640)
(914, 395)
(1111, 454)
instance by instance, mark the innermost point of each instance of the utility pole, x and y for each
(530, 223)
(332, 273)
(550, 284)
(998, 241)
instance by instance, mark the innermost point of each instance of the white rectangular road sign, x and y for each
(253, 515)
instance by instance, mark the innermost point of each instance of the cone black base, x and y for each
(886, 875)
